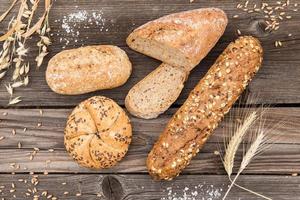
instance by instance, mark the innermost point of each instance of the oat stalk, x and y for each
(14, 51)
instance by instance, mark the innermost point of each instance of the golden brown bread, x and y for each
(98, 133)
(155, 93)
(87, 69)
(211, 99)
(181, 39)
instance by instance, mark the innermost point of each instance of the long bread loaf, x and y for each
(211, 99)
(181, 39)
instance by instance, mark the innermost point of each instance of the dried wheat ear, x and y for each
(250, 129)
(14, 49)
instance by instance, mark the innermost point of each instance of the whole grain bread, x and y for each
(155, 93)
(181, 39)
(87, 69)
(211, 99)
(98, 133)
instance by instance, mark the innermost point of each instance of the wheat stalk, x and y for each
(236, 140)
(260, 140)
(253, 150)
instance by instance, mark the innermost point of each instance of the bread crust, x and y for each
(191, 126)
(87, 69)
(155, 93)
(193, 33)
(98, 133)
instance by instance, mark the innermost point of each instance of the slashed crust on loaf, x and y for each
(98, 133)
(180, 39)
(211, 99)
(155, 93)
(87, 69)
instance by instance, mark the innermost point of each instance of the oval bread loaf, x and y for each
(87, 69)
(98, 133)
(211, 99)
(180, 39)
(155, 93)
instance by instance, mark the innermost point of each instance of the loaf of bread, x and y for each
(156, 92)
(98, 133)
(88, 69)
(181, 39)
(211, 99)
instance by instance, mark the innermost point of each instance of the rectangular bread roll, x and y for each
(88, 69)
(211, 99)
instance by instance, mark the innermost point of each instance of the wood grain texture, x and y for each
(280, 159)
(283, 158)
(131, 187)
(277, 81)
(145, 132)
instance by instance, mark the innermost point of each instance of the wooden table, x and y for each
(277, 84)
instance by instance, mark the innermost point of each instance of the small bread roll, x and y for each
(98, 133)
(88, 69)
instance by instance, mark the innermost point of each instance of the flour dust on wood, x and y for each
(198, 192)
(72, 23)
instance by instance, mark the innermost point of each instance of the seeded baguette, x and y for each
(180, 39)
(155, 93)
(211, 99)
(87, 69)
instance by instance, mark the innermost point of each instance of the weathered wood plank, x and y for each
(280, 159)
(283, 158)
(277, 82)
(50, 133)
(117, 187)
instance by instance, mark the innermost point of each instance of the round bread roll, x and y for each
(98, 133)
